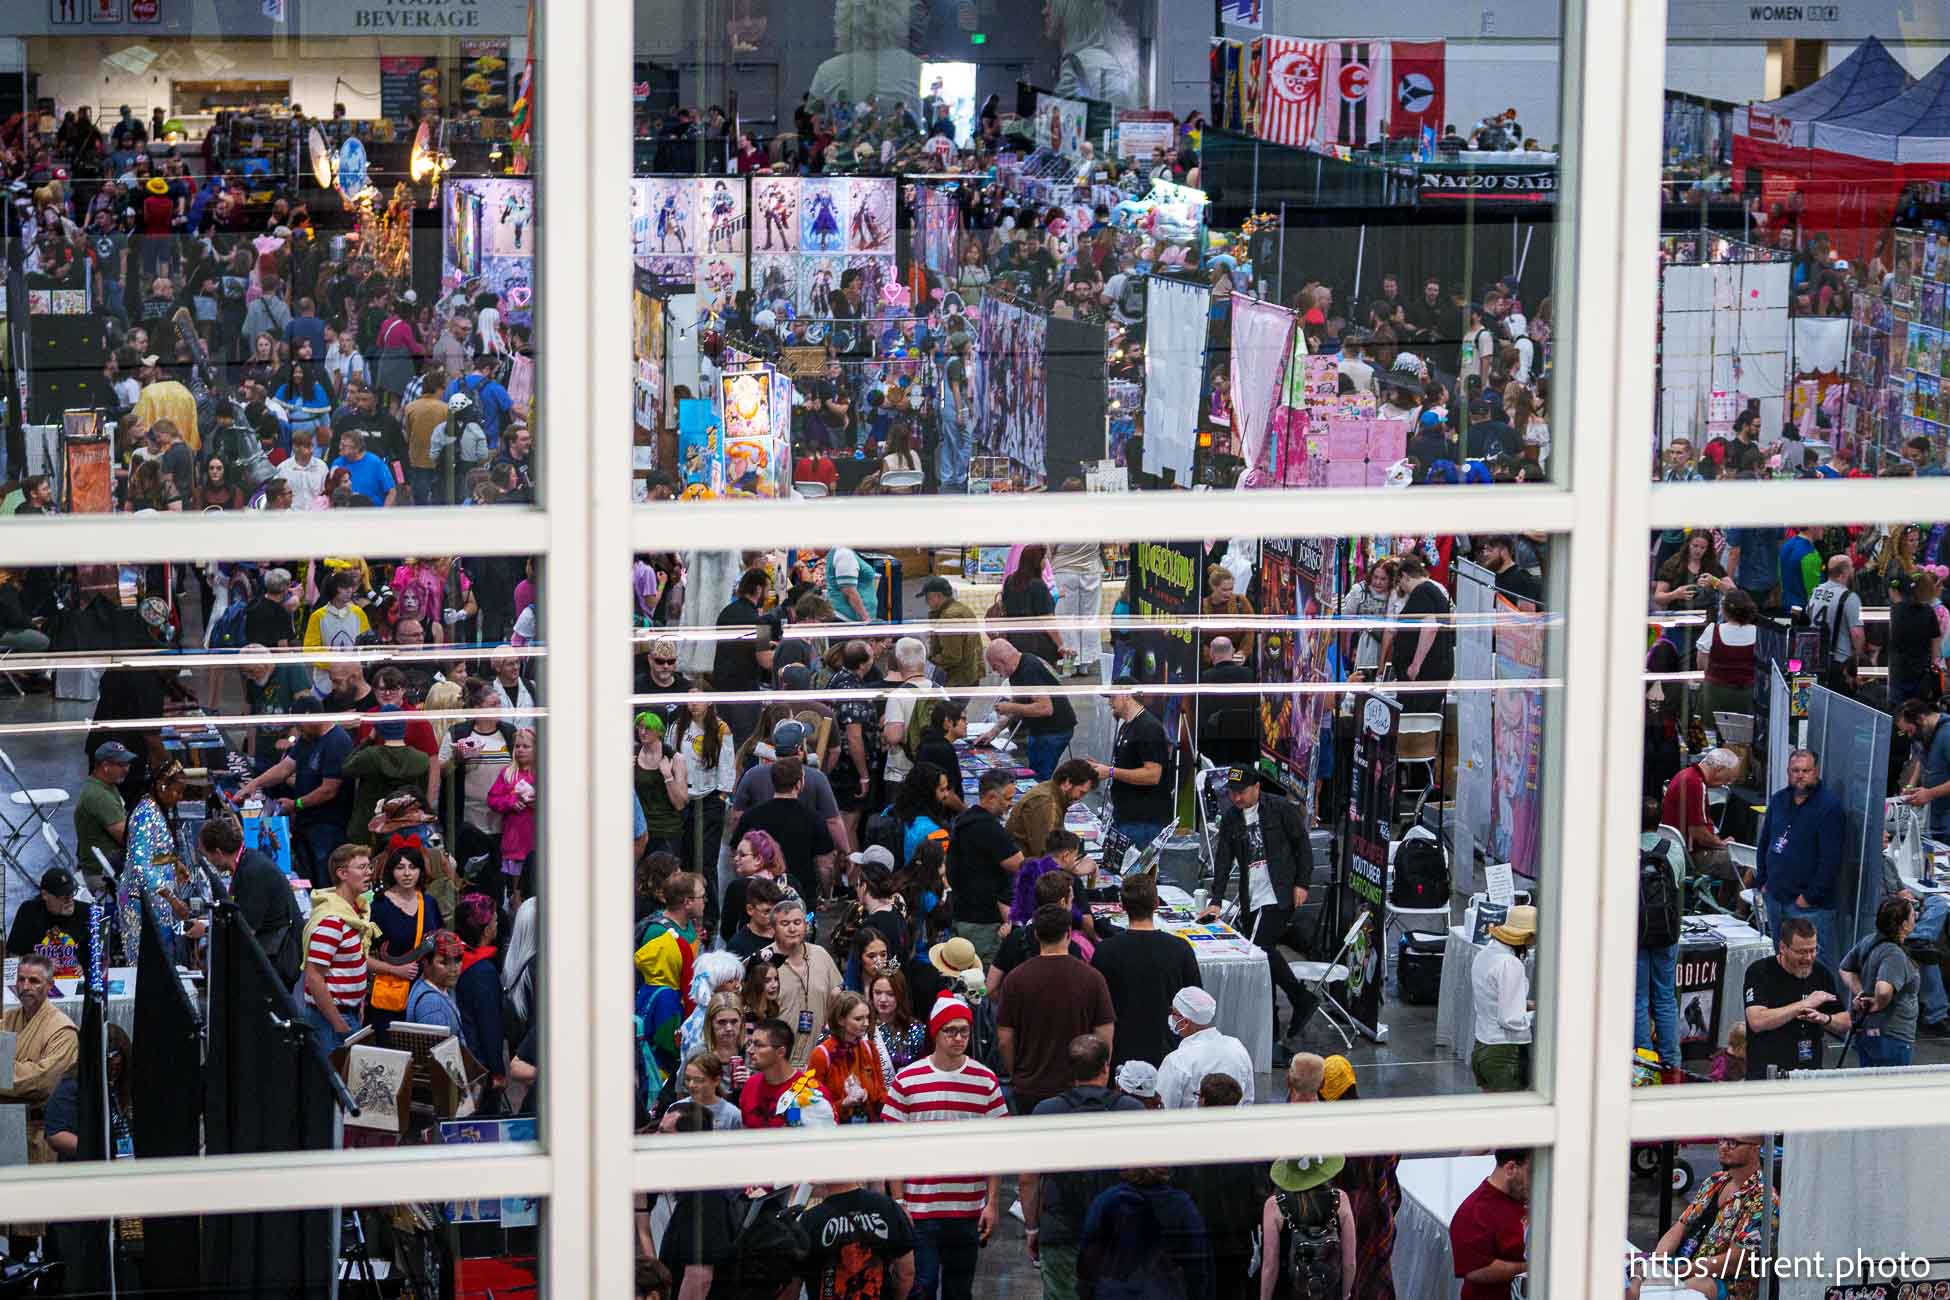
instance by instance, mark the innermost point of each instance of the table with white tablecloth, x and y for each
(121, 996)
(1456, 1008)
(1433, 1187)
(1232, 970)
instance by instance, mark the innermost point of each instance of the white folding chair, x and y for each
(811, 489)
(57, 851)
(40, 802)
(1317, 975)
(901, 480)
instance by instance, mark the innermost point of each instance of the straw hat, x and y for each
(954, 957)
(1518, 929)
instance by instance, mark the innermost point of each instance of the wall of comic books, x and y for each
(1899, 354)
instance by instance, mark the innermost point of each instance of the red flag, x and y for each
(1419, 76)
(1289, 102)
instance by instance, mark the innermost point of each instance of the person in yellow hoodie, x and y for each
(338, 948)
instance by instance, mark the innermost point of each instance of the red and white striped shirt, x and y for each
(922, 1092)
(336, 946)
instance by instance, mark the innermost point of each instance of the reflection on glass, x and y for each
(406, 1248)
(1796, 796)
(1201, 802)
(1802, 1214)
(229, 781)
(243, 286)
(1318, 1224)
(1085, 247)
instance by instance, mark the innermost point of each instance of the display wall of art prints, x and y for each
(776, 278)
(870, 215)
(720, 220)
(822, 216)
(775, 214)
(670, 216)
(750, 449)
(819, 282)
(507, 216)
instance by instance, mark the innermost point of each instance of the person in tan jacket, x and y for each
(1040, 812)
(46, 1047)
(956, 655)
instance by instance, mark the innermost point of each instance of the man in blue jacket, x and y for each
(1801, 852)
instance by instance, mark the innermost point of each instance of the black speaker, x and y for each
(65, 356)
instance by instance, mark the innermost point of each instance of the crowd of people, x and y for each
(1711, 594)
(260, 354)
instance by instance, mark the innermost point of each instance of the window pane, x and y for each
(1375, 1223)
(1801, 297)
(249, 229)
(1107, 248)
(413, 1248)
(1158, 717)
(1790, 831)
(278, 801)
(1803, 1209)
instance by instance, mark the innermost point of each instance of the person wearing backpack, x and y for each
(1835, 611)
(1656, 1003)
(1055, 1205)
(907, 712)
(1307, 1240)
(1143, 1240)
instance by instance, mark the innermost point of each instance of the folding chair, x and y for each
(810, 489)
(1317, 975)
(40, 801)
(57, 851)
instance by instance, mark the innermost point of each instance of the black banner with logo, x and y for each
(1370, 825)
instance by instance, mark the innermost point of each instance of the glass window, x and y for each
(289, 242)
(1099, 246)
(270, 830)
(1275, 796)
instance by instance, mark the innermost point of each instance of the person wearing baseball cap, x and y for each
(53, 925)
(1201, 1050)
(953, 1216)
(1504, 1010)
(101, 814)
(957, 656)
(1266, 835)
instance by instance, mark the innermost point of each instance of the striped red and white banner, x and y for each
(1290, 97)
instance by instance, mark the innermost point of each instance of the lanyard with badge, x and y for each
(805, 993)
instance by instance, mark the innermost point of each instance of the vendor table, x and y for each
(1455, 1011)
(121, 996)
(1433, 1188)
(1232, 970)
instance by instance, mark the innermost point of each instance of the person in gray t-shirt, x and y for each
(1885, 984)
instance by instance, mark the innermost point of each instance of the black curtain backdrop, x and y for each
(166, 1072)
(84, 1244)
(1077, 402)
(282, 1254)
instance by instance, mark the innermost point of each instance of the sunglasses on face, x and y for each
(667, 663)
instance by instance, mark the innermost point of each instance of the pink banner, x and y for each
(1262, 336)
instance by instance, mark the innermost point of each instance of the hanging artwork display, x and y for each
(822, 215)
(1262, 340)
(1277, 646)
(647, 347)
(775, 214)
(700, 450)
(1011, 393)
(721, 214)
(1516, 802)
(870, 215)
(937, 230)
(752, 450)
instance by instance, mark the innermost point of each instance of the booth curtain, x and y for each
(1176, 314)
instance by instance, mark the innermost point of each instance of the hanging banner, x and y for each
(1228, 85)
(1278, 648)
(1315, 656)
(1702, 966)
(1370, 823)
(700, 450)
(1262, 338)
(1356, 94)
(1177, 314)
(1142, 131)
(1241, 13)
(1516, 808)
(1420, 89)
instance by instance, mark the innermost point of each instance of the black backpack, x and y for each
(1421, 874)
(1658, 900)
(1311, 1262)
(768, 1251)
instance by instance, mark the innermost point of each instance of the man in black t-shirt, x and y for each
(53, 925)
(1047, 720)
(862, 1246)
(267, 622)
(1788, 1002)
(802, 837)
(982, 864)
(1145, 968)
(1142, 792)
(1428, 655)
(947, 723)
(1498, 554)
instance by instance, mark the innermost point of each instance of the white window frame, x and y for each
(1601, 505)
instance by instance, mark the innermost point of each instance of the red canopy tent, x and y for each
(1778, 140)
(1866, 159)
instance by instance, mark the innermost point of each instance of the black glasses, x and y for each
(668, 663)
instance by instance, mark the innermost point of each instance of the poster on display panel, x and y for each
(1475, 723)
(1296, 580)
(1167, 584)
(1012, 385)
(488, 238)
(1370, 826)
(647, 348)
(1516, 802)
(1177, 313)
